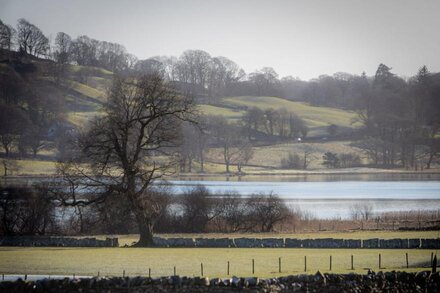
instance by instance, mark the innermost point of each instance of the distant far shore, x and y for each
(279, 173)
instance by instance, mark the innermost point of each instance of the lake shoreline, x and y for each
(283, 174)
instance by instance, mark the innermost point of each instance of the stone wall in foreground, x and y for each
(424, 281)
(40, 241)
(298, 243)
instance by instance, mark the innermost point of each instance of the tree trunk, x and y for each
(145, 233)
(428, 164)
(202, 162)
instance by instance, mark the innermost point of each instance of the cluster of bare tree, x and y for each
(401, 118)
(273, 122)
(26, 37)
(343, 160)
(298, 160)
(26, 211)
(199, 211)
(29, 39)
(235, 139)
(362, 211)
(213, 131)
(48, 209)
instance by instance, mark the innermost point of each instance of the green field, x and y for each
(271, 155)
(86, 90)
(211, 110)
(314, 116)
(187, 261)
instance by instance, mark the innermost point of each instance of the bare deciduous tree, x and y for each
(267, 211)
(362, 211)
(6, 36)
(30, 39)
(62, 47)
(130, 147)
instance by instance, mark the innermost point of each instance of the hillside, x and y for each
(316, 118)
(81, 93)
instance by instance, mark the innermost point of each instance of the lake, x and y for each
(333, 199)
(326, 196)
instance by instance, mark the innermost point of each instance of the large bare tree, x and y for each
(31, 39)
(130, 147)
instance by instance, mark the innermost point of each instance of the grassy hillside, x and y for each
(82, 92)
(316, 118)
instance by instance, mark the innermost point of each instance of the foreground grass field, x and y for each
(187, 261)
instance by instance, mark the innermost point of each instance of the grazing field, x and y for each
(314, 116)
(270, 156)
(187, 261)
(211, 110)
(86, 90)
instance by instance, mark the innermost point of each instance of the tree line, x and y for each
(38, 210)
(400, 119)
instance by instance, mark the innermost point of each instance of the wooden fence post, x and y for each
(352, 266)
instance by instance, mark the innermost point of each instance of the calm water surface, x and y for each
(330, 199)
(328, 196)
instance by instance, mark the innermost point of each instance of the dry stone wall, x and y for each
(228, 242)
(57, 241)
(298, 243)
(424, 281)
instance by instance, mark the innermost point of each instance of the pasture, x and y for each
(188, 261)
(313, 115)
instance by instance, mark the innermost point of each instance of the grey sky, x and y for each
(299, 38)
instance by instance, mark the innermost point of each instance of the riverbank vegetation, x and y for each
(40, 210)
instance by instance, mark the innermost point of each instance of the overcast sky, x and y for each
(300, 38)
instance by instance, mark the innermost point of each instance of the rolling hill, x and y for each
(316, 118)
(82, 92)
